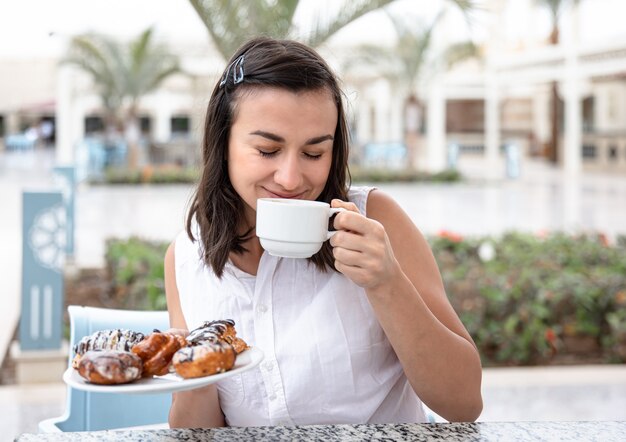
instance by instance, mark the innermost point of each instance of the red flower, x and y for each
(450, 236)
(550, 335)
(603, 239)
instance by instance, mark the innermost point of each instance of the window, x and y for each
(1, 125)
(145, 124)
(179, 125)
(589, 151)
(613, 152)
(93, 124)
(465, 116)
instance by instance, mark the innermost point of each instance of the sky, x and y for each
(31, 28)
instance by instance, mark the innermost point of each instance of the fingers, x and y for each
(361, 247)
(336, 203)
(351, 220)
(347, 256)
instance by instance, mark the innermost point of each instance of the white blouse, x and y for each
(327, 360)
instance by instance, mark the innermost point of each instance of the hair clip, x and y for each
(237, 67)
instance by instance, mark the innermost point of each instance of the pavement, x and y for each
(541, 199)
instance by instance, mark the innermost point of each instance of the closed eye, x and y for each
(267, 154)
(313, 156)
(271, 153)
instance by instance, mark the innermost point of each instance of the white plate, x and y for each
(169, 383)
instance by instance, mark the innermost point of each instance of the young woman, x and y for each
(362, 331)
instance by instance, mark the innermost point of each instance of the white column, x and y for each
(12, 124)
(493, 168)
(364, 125)
(436, 128)
(361, 107)
(492, 126)
(381, 112)
(396, 120)
(572, 152)
(64, 116)
(541, 114)
(162, 127)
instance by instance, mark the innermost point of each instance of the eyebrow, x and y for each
(279, 139)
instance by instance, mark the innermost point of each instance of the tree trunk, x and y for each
(553, 152)
(132, 135)
(553, 146)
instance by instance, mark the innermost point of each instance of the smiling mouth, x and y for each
(285, 196)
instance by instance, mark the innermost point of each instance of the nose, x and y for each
(288, 174)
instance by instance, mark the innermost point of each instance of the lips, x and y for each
(284, 195)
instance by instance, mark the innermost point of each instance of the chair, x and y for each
(86, 411)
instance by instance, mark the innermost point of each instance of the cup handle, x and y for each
(332, 212)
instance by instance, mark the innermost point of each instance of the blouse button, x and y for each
(272, 397)
(261, 308)
(269, 366)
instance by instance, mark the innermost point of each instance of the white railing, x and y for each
(603, 152)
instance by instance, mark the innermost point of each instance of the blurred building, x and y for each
(481, 106)
(478, 108)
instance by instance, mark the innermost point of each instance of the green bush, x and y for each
(136, 270)
(167, 174)
(174, 174)
(525, 300)
(532, 300)
(402, 176)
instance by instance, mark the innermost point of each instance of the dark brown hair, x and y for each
(216, 206)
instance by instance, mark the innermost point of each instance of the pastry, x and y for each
(156, 352)
(217, 331)
(204, 359)
(109, 367)
(116, 339)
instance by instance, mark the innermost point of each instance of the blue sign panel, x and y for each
(43, 258)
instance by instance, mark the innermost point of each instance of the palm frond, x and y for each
(350, 11)
(374, 59)
(554, 6)
(459, 52)
(231, 22)
(122, 71)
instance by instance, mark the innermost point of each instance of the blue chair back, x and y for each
(86, 411)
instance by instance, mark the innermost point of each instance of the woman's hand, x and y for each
(361, 248)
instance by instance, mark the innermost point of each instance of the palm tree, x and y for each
(122, 74)
(555, 7)
(404, 64)
(232, 22)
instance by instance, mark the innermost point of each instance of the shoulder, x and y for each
(184, 248)
(359, 196)
(381, 207)
(402, 232)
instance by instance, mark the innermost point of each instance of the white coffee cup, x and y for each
(293, 228)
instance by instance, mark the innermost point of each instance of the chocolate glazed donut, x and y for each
(115, 339)
(217, 331)
(108, 367)
(203, 360)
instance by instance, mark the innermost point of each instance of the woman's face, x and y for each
(281, 145)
